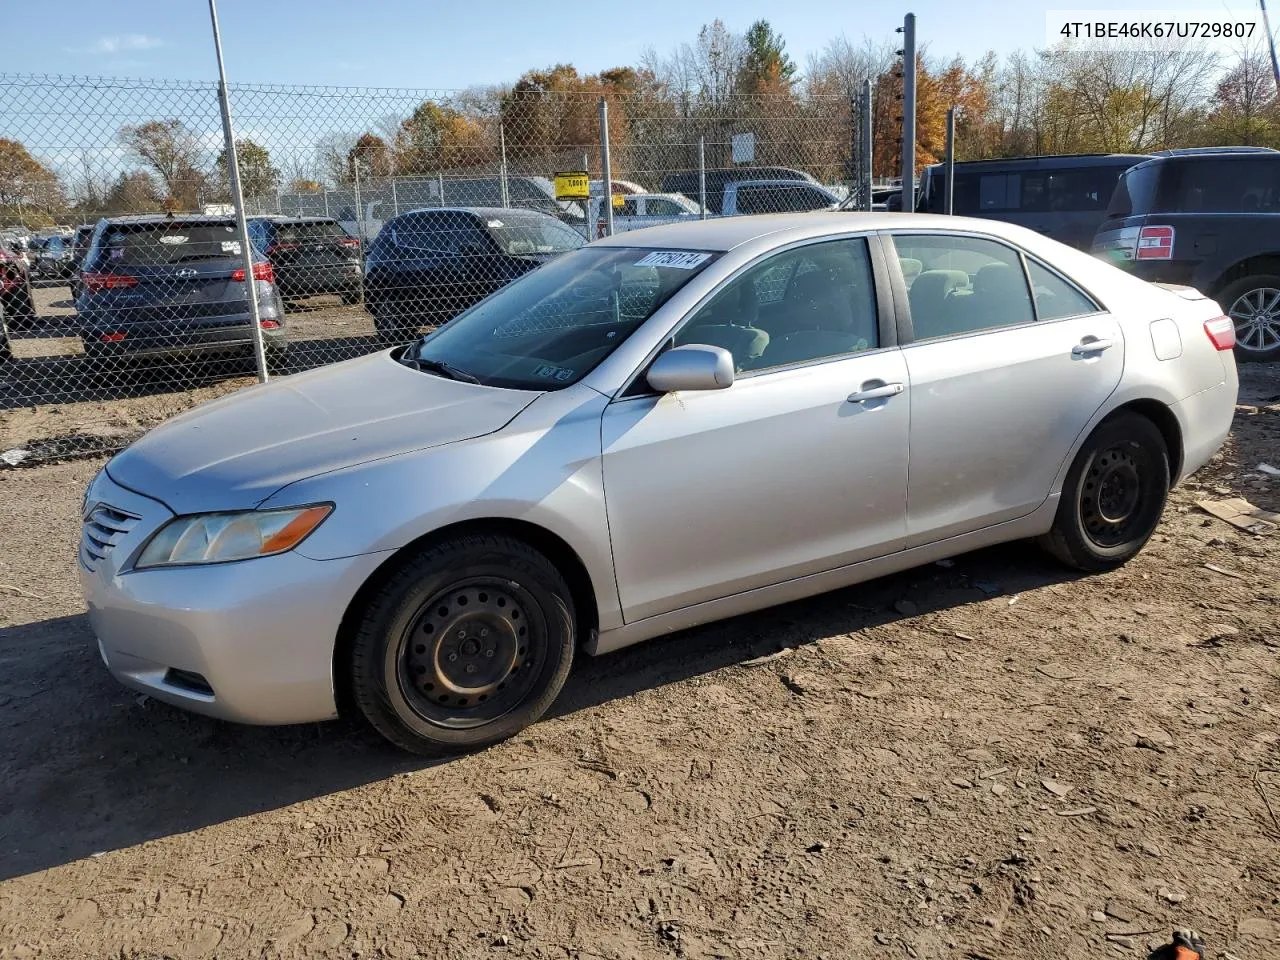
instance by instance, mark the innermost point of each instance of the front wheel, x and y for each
(1253, 304)
(1113, 496)
(467, 642)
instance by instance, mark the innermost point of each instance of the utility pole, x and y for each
(908, 54)
(1271, 45)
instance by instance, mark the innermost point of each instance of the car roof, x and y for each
(285, 218)
(486, 212)
(1216, 156)
(174, 218)
(725, 233)
(1048, 162)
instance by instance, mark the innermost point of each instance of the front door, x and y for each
(799, 467)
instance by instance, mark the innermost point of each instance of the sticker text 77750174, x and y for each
(679, 259)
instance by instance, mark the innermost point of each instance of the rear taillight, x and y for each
(280, 248)
(94, 282)
(1155, 243)
(351, 243)
(115, 337)
(270, 324)
(1222, 333)
(261, 271)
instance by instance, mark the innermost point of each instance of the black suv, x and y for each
(427, 266)
(309, 255)
(1210, 220)
(162, 286)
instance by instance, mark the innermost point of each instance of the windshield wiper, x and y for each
(440, 368)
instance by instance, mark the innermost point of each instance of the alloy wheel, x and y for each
(1256, 314)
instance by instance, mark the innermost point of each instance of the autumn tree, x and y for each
(173, 151)
(27, 186)
(133, 192)
(436, 137)
(304, 185)
(371, 154)
(258, 178)
(1243, 109)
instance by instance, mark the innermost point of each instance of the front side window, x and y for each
(964, 284)
(804, 304)
(555, 324)
(662, 207)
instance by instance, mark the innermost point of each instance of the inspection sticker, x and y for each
(679, 259)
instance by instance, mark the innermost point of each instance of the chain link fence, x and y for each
(372, 215)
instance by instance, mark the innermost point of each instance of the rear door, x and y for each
(1001, 384)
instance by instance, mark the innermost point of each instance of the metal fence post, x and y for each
(702, 175)
(868, 144)
(355, 166)
(606, 171)
(909, 113)
(395, 200)
(502, 168)
(237, 197)
(950, 183)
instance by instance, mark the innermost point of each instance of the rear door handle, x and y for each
(876, 393)
(1087, 346)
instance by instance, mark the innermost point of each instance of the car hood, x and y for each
(237, 451)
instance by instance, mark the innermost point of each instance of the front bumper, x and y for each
(260, 633)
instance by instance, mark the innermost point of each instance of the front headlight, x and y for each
(222, 537)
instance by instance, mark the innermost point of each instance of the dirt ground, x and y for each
(986, 759)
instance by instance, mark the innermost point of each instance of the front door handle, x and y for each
(1088, 346)
(869, 392)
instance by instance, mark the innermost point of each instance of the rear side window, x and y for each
(1000, 191)
(424, 232)
(1055, 297)
(1221, 185)
(163, 244)
(965, 284)
(756, 200)
(1134, 194)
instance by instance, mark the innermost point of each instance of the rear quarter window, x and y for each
(1221, 185)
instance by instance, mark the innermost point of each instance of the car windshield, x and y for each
(518, 235)
(161, 244)
(554, 325)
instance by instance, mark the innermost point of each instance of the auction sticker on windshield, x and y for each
(679, 259)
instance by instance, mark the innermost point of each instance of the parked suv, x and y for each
(1064, 197)
(309, 255)
(160, 286)
(15, 290)
(1210, 221)
(688, 182)
(774, 196)
(427, 266)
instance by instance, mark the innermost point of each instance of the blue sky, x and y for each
(435, 44)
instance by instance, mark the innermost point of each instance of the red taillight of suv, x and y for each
(1222, 333)
(261, 271)
(1155, 243)
(351, 243)
(95, 282)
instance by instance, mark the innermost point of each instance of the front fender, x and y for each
(543, 468)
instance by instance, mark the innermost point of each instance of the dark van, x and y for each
(1063, 197)
(1209, 220)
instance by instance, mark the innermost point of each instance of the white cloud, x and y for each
(127, 41)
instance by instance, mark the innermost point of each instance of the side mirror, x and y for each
(695, 366)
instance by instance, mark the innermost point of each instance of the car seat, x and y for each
(936, 310)
(1000, 297)
(728, 321)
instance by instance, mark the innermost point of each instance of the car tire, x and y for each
(1113, 496)
(391, 328)
(351, 296)
(1241, 300)
(277, 360)
(437, 656)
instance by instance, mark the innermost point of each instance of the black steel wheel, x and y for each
(1113, 496)
(466, 642)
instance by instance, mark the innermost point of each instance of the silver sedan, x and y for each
(658, 430)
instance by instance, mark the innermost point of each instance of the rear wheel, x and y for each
(351, 295)
(1253, 304)
(467, 643)
(1113, 496)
